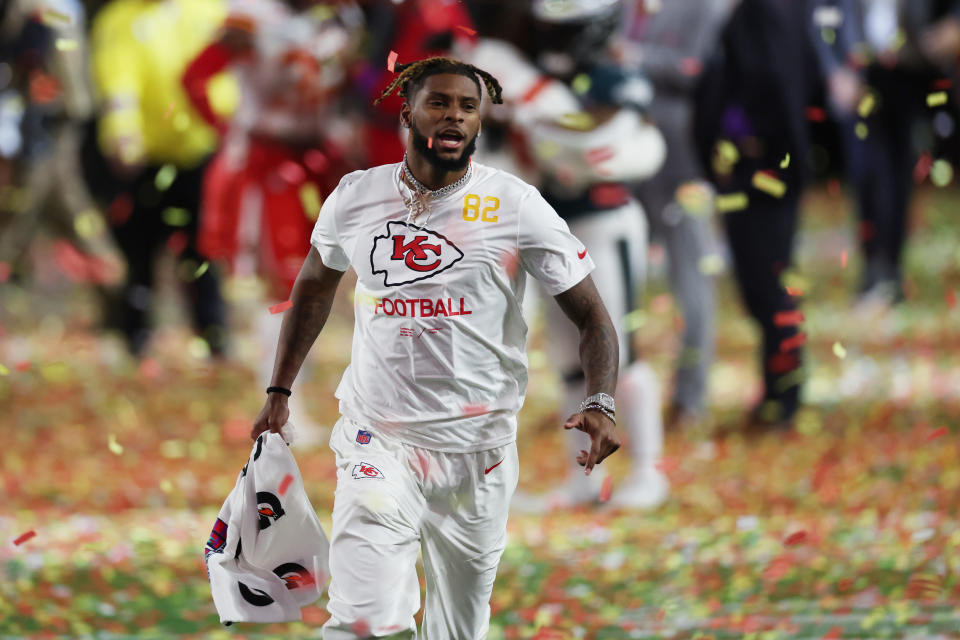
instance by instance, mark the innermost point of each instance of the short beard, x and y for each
(422, 146)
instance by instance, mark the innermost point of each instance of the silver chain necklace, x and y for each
(423, 196)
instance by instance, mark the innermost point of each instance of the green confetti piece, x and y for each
(581, 84)
(941, 173)
(202, 269)
(176, 217)
(937, 98)
(861, 130)
(4, 371)
(165, 177)
(731, 202)
(66, 44)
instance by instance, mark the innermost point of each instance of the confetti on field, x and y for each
(285, 484)
(866, 105)
(785, 162)
(730, 202)
(839, 351)
(936, 99)
(280, 308)
(942, 431)
(115, 447)
(202, 269)
(467, 30)
(795, 538)
(24, 537)
(392, 61)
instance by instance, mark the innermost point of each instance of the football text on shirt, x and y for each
(427, 307)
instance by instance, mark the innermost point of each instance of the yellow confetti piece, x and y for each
(113, 445)
(941, 173)
(867, 103)
(166, 486)
(579, 120)
(311, 201)
(4, 371)
(731, 202)
(768, 184)
(785, 162)
(728, 151)
(202, 269)
(64, 44)
(635, 319)
(88, 224)
(936, 98)
(581, 84)
(839, 351)
(54, 18)
(861, 130)
(710, 265)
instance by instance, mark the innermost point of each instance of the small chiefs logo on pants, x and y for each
(366, 470)
(408, 253)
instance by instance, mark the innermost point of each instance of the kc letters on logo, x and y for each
(366, 470)
(408, 253)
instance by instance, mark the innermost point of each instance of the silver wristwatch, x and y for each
(601, 401)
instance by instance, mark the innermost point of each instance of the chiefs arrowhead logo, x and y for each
(409, 253)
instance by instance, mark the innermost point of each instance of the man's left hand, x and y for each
(603, 437)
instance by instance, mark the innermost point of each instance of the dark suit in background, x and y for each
(753, 94)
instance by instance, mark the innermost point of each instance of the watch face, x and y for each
(603, 400)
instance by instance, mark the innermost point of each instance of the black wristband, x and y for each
(285, 392)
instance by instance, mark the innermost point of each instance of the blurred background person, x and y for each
(577, 122)
(45, 100)
(157, 147)
(751, 135)
(668, 43)
(880, 61)
(285, 149)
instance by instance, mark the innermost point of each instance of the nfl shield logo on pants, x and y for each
(363, 437)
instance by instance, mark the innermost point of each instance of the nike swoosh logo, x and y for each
(582, 254)
(489, 469)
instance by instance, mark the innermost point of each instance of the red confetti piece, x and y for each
(120, 209)
(816, 114)
(291, 173)
(429, 143)
(4, 271)
(691, 66)
(951, 298)
(606, 489)
(23, 538)
(793, 342)
(285, 484)
(922, 169)
(796, 538)
(787, 318)
(177, 242)
(600, 154)
(942, 431)
(22, 366)
(942, 83)
(467, 30)
(793, 291)
(280, 308)
(316, 161)
(391, 60)
(843, 260)
(833, 634)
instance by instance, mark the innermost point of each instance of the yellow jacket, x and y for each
(139, 50)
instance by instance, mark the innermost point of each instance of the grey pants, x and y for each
(687, 239)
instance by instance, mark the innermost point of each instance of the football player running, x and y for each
(425, 448)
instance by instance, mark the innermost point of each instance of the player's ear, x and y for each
(405, 114)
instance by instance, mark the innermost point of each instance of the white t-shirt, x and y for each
(439, 356)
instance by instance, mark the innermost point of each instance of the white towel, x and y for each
(267, 555)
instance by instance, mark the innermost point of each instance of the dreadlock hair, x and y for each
(410, 77)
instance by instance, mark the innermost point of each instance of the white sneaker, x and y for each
(642, 489)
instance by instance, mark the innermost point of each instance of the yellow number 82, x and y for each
(472, 211)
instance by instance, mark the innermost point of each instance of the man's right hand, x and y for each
(272, 417)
